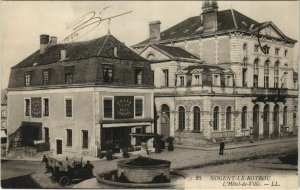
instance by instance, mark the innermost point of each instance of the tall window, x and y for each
(166, 77)
(256, 48)
(266, 74)
(27, 107)
(69, 72)
(277, 51)
(196, 112)
(244, 117)
(85, 139)
(27, 79)
(108, 109)
(216, 118)
(69, 109)
(216, 80)
(244, 76)
(295, 116)
(139, 76)
(276, 75)
(45, 77)
(285, 53)
(228, 118)
(197, 80)
(256, 114)
(69, 137)
(228, 80)
(181, 80)
(108, 74)
(46, 107)
(255, 73)
(138, 107)
(181, 122)
(285, 116)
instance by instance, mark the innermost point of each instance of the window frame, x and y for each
(67, 139)
(256, 48)
(44, 106)
(69, 71)
(228, 120)
(137, 74)
(244, 118)
(181, 124)
(25, 107)
(166, 77)
(255, 72)
(82, 139)
(216, 118)
(143, 103)
(112, 78)
(198, 122)
(276, 74)
(72, 106)
(47, 81)
(27, 79)
(267, 74)
(112, 105)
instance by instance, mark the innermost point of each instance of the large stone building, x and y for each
(79, 98)
(239, 80)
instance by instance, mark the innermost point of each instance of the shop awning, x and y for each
(3, 134)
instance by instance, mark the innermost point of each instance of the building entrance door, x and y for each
(58, 146)
(165, 120)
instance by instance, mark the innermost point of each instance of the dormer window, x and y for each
(267, 50)
(27, 79)
(69, 72)
(196, 80)
(216, 80)
(63, 54)
(228, 80)
(139, 76)
(181, 80)
(45, 76)
(108, 74)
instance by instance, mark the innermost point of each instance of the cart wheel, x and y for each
(64, 180)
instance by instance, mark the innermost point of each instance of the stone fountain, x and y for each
(142, 171)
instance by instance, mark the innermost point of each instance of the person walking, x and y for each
(45, 159)
(222, 146)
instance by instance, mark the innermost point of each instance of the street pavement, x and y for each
(181, 159)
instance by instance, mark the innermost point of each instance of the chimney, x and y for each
(53, 40)
(63, 54)
(154, 31)
(209, 14)
(44, 41)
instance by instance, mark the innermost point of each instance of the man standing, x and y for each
(89, 168)
(45, 159)
(222, 146)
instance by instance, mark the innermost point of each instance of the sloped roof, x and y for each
(102, 47)
(208, 69)
(229, 19)
(175, 52)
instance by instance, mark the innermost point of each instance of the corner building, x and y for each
(79, 98)
(222, 76)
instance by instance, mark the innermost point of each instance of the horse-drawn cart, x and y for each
(65, 170)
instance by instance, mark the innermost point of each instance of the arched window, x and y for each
(285, 116)
(266, 74)
(165, 114)
(276, 114)
(228, 118)
(216, 118)
(276, 74)
(181, 123)
(256, 114)
(255, 73)
(197, 120)
(151, 57)
(244, 117)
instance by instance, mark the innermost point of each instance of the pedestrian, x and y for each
(89, 168)
(45, 159)
(222, 146)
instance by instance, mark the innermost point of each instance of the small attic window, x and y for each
(63, 54)
(186, 30)
(35, 64)
(115, 51)
(244, 23)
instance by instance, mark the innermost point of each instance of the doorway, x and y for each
(58, 146)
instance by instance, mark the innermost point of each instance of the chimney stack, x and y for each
(210, 14)
(53, 40)
(154, 31)
(44, 41)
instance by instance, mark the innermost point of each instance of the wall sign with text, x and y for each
(124, 107)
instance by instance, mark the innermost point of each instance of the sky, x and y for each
(23, 21)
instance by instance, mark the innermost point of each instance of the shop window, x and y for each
(85, 139)
(108, 74)
(108, 109)
(27, 107)
(139, 76)
(196, 112)
(27, 79)
(216, 118)
(46, 77)
(166, 77)
(138, 107)
(69, 109)
(181, 122)
(46, 107)
(69, 137)
(228, 118)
